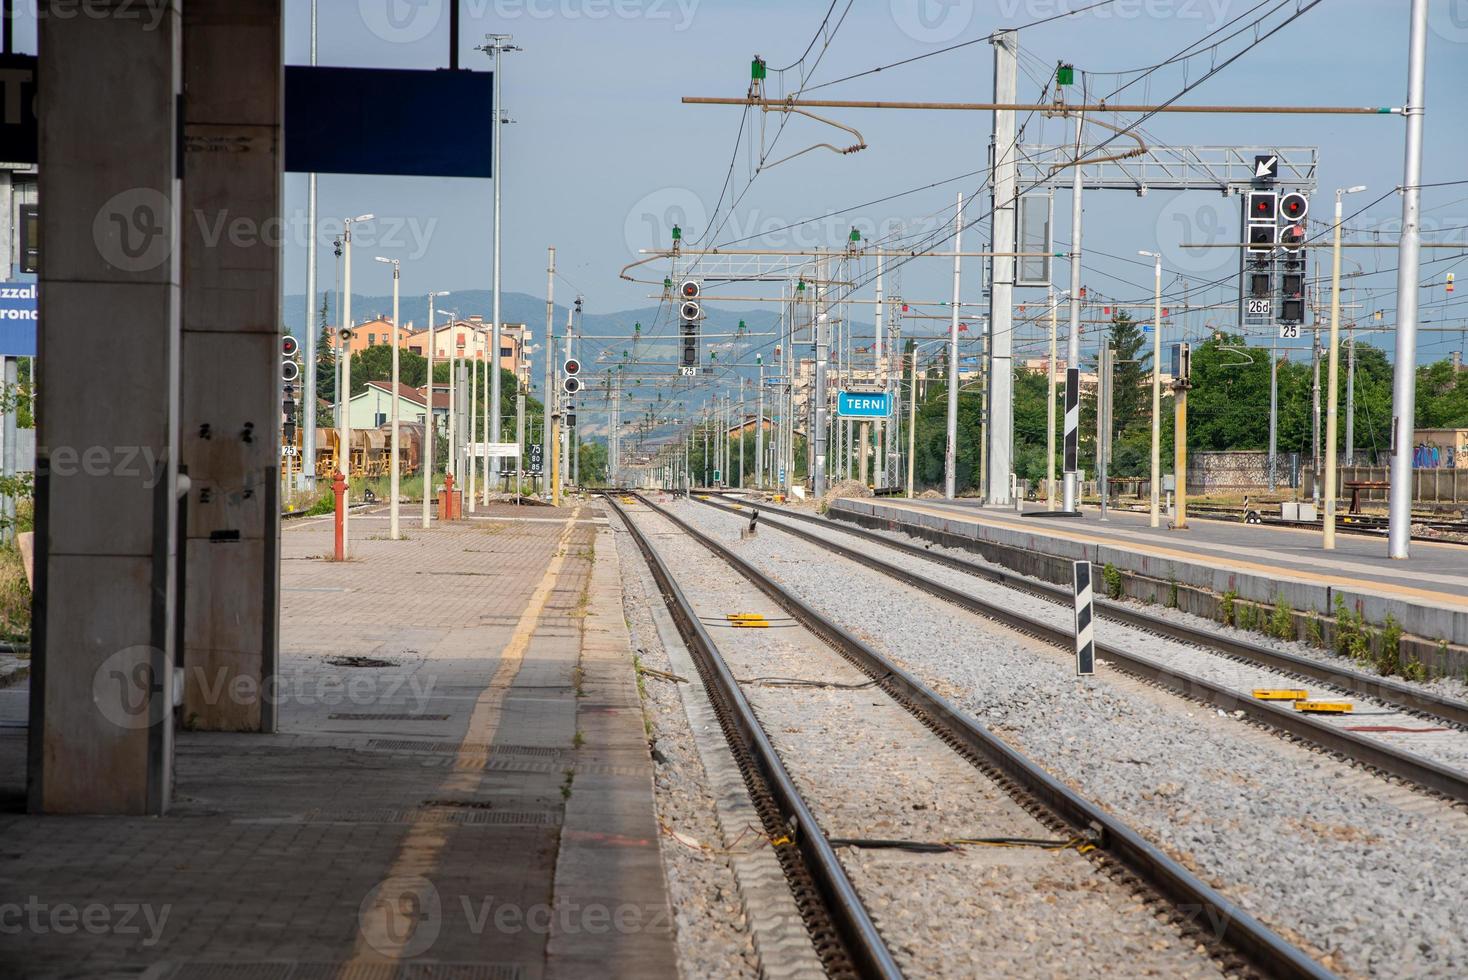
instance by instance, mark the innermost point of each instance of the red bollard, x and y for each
(339, 488)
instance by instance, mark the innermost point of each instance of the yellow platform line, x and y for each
(387, 926)
(1193, 557)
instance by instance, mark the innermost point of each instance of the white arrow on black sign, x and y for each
(1266, 167)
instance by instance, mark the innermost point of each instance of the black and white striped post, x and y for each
(1072, 437)
(1085, 619)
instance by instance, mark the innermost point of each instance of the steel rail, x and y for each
(1382, 689)
(862, 943)
(1423, 772)
(1258, 945)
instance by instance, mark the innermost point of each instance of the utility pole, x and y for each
(548, 392)
(1180, 386)
(819, 327)
(344, 422)
(912, 400)
(880, 366)
(471, 466)
(1273, 409)
(394, 451)
(950, 449)
(1105, 393)
(1404, 372)
(1315, 416)
(1070, 497)
(999, 443)
(740, 428)
(428, 421)
(308, 347)
(759, 425)
(1050, 407)
(1351, 394)
(498, 45)
(1156, 502)
(1332, 382)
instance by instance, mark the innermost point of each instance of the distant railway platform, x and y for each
(460, 779)
(1427, 594)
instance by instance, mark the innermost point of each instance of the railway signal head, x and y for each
(572, 367)
(1262, 237)
(289, 369)
(1292, 236)
(571, 385)
(1263, 206)
(1294, 206)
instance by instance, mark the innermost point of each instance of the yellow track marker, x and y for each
(1277, 694)
(747, 620)
(1326, 707)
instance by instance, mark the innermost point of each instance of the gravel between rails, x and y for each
(1358, 871)
(868, 768)
(1448, 747)
(1445, 686)
(712, 935)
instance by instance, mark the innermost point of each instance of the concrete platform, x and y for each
(471, 796)
(1427, 594)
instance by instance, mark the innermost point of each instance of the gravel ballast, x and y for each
(1360, 872)
(869, 769)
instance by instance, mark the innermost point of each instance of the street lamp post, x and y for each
(393, 451)
(1332, 372)
(498, 44)
(1156, 511)
(344, 419)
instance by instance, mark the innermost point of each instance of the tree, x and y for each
(325, 357)
(593, 463)
(375, 364)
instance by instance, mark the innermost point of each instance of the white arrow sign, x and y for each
(1265, 166)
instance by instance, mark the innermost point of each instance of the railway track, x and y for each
(1241, 941)
(1448, 780)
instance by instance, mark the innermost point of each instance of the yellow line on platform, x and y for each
(1140, 544)
(387, 925)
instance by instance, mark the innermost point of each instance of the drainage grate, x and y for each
(478, 748)
(384, 716)
(360, 662)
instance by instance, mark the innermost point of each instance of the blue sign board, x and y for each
(18, 319)
(863, 404)
(380, 120)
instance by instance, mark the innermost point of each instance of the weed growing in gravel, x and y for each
(570, 775)
(1226, 607)
(1282, 621)
(1414, 670)
(1248, 615)
(1388, 658)
(1111, 575)
(1352, 635)
(579, 739)
(1172, 595)
(1313, 632)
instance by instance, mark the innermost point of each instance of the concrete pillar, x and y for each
(232, 241)
(103, 634)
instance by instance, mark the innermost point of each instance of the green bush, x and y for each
(1111, 576)
(1388, 657)
(1227, 607)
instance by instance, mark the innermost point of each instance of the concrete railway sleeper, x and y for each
(1239, 941)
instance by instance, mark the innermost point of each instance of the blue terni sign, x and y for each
(863, 404)
(18, 319)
